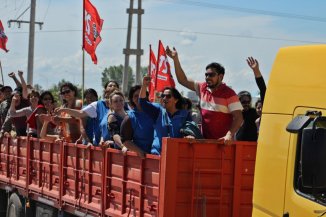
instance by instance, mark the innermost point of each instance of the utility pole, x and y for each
(31, 39)
(127, 51)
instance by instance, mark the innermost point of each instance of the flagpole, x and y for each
(83, 62)
(150, 70)
(157, 65)
(1, 74)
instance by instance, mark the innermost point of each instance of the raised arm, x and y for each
(23, 84)
(146, 106)
(13, 76)
(181, 76)
(254, 65)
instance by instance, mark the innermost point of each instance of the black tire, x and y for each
(15, 207)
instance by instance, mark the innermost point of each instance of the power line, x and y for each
(246, 10)
(191, 32)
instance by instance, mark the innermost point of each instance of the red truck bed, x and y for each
(190, 178)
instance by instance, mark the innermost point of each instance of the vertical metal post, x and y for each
(138, 76)
(3, 83)
(31, 44)
(127, 50)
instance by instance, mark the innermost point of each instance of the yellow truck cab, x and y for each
(290, 171)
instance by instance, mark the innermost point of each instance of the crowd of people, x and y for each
(134, 124)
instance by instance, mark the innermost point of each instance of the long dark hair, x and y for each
(176, 94)
(45, 93)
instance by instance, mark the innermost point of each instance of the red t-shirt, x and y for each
(216, 108)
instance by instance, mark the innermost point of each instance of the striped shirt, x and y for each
(216, 108)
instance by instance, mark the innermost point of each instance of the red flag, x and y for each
(3, 38)
(91, 29)
(152, 74)
(164, 77)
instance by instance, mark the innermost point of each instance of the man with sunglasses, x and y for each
(220, 107)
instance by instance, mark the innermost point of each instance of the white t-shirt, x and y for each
(91, 109)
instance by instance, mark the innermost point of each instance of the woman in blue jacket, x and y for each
(137, 131)
(168, 117)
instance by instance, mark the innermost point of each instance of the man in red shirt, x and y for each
(221, 109)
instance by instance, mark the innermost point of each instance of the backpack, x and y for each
(190, 128)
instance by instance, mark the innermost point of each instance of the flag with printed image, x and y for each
(92, 27)
(3, 38)
(164, 77)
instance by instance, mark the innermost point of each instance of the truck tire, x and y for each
(15, 207)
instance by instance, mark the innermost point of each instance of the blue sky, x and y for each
(201, 31)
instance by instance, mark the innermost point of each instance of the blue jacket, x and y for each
(165, 125)
(143, 130)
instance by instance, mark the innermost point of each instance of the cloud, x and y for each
(188, 37)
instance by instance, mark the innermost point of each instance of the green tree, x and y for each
(115, 73)
(38, 88)
(144, 70)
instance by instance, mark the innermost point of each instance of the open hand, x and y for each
(171, 53)
(252, 63)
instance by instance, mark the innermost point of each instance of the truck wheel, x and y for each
(15, 208)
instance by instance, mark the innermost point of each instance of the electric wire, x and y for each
(182, 31)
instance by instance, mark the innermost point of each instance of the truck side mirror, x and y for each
(313, 155)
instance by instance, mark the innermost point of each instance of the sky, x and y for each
(202, 31)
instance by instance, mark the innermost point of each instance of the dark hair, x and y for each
(176, 94)
(70, 86)
(40, 101)
(258, 101)
(244, 93)
(218, 68)
(91, 91)
(107, 83)
(132, 91)
(33, 93)
(187, 102)
(5, 87)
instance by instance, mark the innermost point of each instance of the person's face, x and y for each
(135, 97)
(111, 86)
(167, 100)
(7, 93)
(33, 100)
(245, 101)
(89, 98)
(117, 102)
(47, 101)
(259, 108)
(67, 93)
(18, 99)
(213, 79)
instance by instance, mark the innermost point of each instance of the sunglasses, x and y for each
(168, 96)
(210, 74)
(65, 92)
